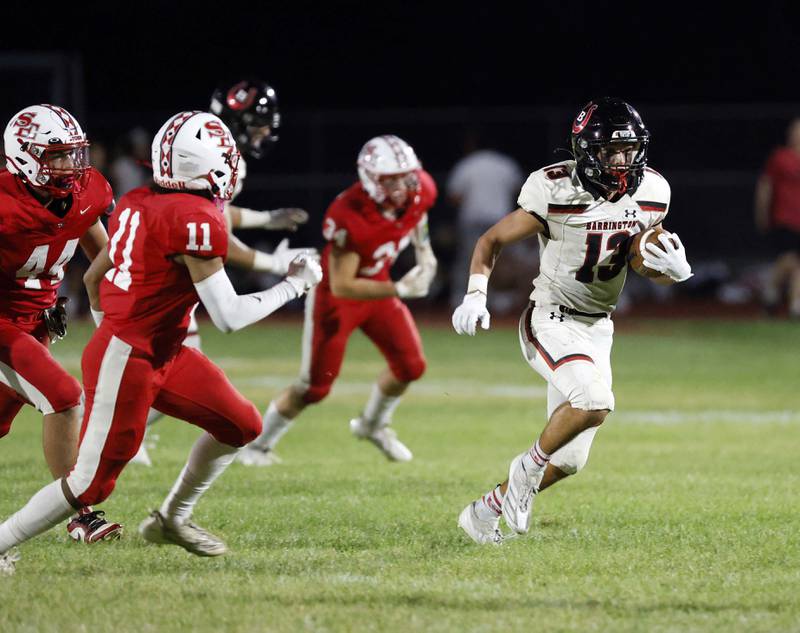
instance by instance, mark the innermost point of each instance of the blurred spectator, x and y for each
(98, 156)
(777, 214)
(483, 186)
(130, 168)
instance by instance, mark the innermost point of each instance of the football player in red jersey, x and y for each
(250, 110)
(51, 202)
(366, 227)
(168, 244)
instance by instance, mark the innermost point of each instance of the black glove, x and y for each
(55, 319)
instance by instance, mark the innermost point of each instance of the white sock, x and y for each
(489, 506)
(207, 461)
(153, 416)
(275, 426)
(46, 509)
(535, 458)
(379, 408)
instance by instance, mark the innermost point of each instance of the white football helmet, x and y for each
(386, 155)
(195, 150)
(45, 146)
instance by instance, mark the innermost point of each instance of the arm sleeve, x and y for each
(230, 311)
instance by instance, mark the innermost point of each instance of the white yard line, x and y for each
(472, 389)
(668, 417)
(423, 387)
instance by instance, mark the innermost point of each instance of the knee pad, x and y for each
(572, 457)
(410, 370)
(239, 429)
(249, 425)
(65, 394)
(592, 395)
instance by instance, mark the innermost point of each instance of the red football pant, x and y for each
(329, 323)
(122, 383)
(30, 375)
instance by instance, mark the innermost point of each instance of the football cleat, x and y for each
(255, 456)
(384, 438)
(481, 531)
(191, 537)
(90, 527)
(522, 489)
(8, 562)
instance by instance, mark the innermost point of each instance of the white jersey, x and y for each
(582, 254)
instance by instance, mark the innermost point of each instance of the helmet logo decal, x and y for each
(165, 158)
(582, 119)
(239, 97)
(215, 130)
(26, 128)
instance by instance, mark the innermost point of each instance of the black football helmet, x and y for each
(247, 107)
(609, 143)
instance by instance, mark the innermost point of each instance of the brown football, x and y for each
(635, 260)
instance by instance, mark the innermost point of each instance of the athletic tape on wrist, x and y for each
(478, 282)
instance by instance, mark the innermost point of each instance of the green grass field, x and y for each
(685, 519)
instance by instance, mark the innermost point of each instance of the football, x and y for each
(635, 259)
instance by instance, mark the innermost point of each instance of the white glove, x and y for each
(471, 312)
(671, 261)
(413, 284)
(283, 255)
(276, 220)
(304, 273)
(286, 219)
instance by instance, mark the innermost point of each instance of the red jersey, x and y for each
(147, 296)
(354, 222)
(783, 171)
(36, 244)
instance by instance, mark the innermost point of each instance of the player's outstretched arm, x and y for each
(423, 251)
(230, 311)
(287, 219)
(512, 228)
(242, 256)
(763, 199)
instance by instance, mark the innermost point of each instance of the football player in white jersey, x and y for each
(583, 212)
(250, 110)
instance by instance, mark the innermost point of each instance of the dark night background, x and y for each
(717, 87)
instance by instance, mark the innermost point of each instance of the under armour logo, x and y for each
(554, 316)
(630, 214)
